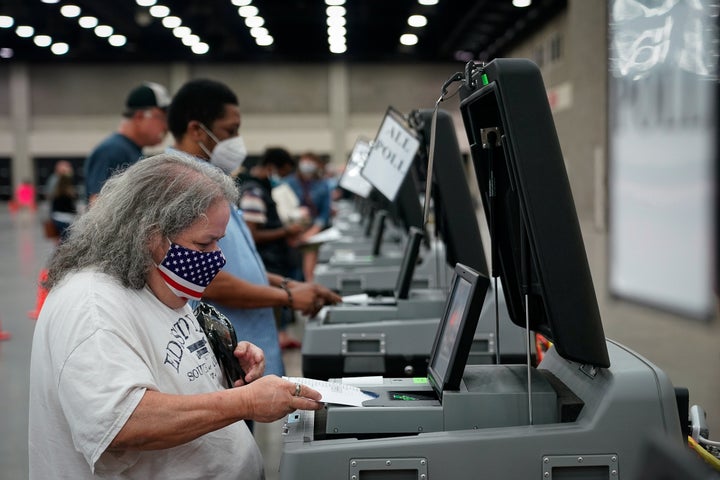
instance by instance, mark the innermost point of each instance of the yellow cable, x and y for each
(704, 454)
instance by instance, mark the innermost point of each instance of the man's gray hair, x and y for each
(163, 194)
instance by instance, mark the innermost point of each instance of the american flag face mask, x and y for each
(188, 272)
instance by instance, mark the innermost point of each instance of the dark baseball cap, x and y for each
(147, 95)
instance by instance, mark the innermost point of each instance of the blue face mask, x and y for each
(188, 272)
(275, 180)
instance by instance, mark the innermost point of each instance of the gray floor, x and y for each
(687, 350)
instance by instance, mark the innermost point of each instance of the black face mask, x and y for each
(221, 335)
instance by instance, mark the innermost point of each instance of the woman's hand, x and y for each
(270, 398)
(252, 361)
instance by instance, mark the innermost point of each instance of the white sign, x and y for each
(390, 157)
(351, 179)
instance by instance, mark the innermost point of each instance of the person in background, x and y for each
(204, 120)
(144, 124)
(271, 236)
(123, 380)
(63, 205)
(62, 167)
(313, 192)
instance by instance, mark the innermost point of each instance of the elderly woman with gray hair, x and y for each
(123, 380)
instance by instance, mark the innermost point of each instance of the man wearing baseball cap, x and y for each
(144, 124)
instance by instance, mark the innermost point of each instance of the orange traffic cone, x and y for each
(4, 335)
(41, 295)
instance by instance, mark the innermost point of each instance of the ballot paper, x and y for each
(331, 234)
(339, 393)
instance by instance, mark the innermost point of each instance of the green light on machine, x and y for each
(484, 79)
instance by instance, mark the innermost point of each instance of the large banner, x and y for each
(662, 148)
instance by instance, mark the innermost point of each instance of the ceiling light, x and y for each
(171, 21)
(336, 31)
(24, 31)
(6, 22)
(521, 3)
(88, 22)
(428, 2)
(334, 2)
(42, 40)
(248, 11)
(200, 48)
(146, 3)
(60, 48)
(190, 40)
(6, 52)
(408, 39)
(103, 31)
(336, 21)
(181, 32)
(252, 22)
(70, 11)
(265, 41)
(336, 41)
(241, 3)
(338, 48)
(117, 40)
(159, 11)
(259, 32)
(335, 11)
(417, 20)
(50, 1)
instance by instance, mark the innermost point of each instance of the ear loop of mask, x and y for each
(211, 135)
(165, 255)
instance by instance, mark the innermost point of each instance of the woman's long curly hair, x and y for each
(163, 194)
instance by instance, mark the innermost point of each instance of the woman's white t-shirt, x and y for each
(97, 348)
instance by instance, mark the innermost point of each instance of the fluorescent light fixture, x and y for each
(50, 1)
(248, 11)
(336, 21)
(417, 20)
(103, 31)
(60, 48)
(70, 11)
(335, 11)
(117, 40)
(408, 39)
(265, 41)
(159, 11)
(521, 3)
(171, 21)
(42, 40)
(190, 40)
(259, 32)
(336, 41)
(25, 31)
(336, 31)
(6, 52)
(253, 22)
(428, 2)
(6, 21)
(182, 32)
(334, 2)
(338, 48)
(200, 48)
(241, 3)
(88, 22)
(146, 3)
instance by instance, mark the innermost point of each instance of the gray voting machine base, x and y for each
(601, 420)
